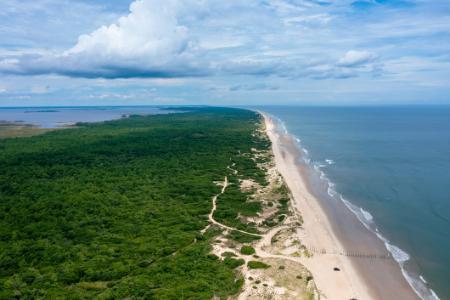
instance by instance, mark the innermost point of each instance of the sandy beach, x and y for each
(348, 261)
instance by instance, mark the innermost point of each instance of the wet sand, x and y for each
(335, 236)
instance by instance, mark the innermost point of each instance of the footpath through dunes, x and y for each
(360, 270)
(265, 275)
(115, 210)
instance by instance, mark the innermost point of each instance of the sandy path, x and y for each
(214, 208)
(259, 247)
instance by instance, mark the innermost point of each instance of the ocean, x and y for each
(52, 117)
(391, 167)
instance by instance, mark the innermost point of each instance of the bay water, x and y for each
(52, 117)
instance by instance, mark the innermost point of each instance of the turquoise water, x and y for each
(394, 163)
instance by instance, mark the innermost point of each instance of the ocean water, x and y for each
(51, 117)
(391, 167)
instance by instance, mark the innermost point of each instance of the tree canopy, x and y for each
(113, 210)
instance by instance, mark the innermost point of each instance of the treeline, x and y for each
(114, 210)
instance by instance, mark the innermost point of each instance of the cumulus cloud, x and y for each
(150, 34)
(148, 42)
(355, 58)
(165, 39)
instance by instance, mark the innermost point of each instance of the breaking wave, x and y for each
(418, 284)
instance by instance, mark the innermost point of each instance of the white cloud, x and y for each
(316, 19)
(355, 58)
(148, 42)
(168, 39)
(239, 44)
(111, 96)
(254, 87)
(8, 62)
(222, 42)
(150, 33)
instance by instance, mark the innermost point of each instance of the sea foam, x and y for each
(329, 161)
(423, 279)
(367, 215)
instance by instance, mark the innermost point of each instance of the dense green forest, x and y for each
(115, 209)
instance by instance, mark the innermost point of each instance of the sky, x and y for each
(278, 52)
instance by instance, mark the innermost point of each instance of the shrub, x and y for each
(242, 238)
(247, 250)
(253, 264)
(228, 254)
(233, 263)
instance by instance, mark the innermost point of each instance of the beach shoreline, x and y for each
(365, 269)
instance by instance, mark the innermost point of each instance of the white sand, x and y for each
(317, 233)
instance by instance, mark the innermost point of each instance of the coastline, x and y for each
(20, 129)
(338, 239)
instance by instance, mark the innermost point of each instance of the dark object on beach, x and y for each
(336, 269)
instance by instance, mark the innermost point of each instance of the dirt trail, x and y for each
(259, 246)
(214, 207)
(265, 238)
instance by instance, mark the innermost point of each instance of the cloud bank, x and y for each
(166, 39)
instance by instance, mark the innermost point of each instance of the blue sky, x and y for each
(80, 52)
